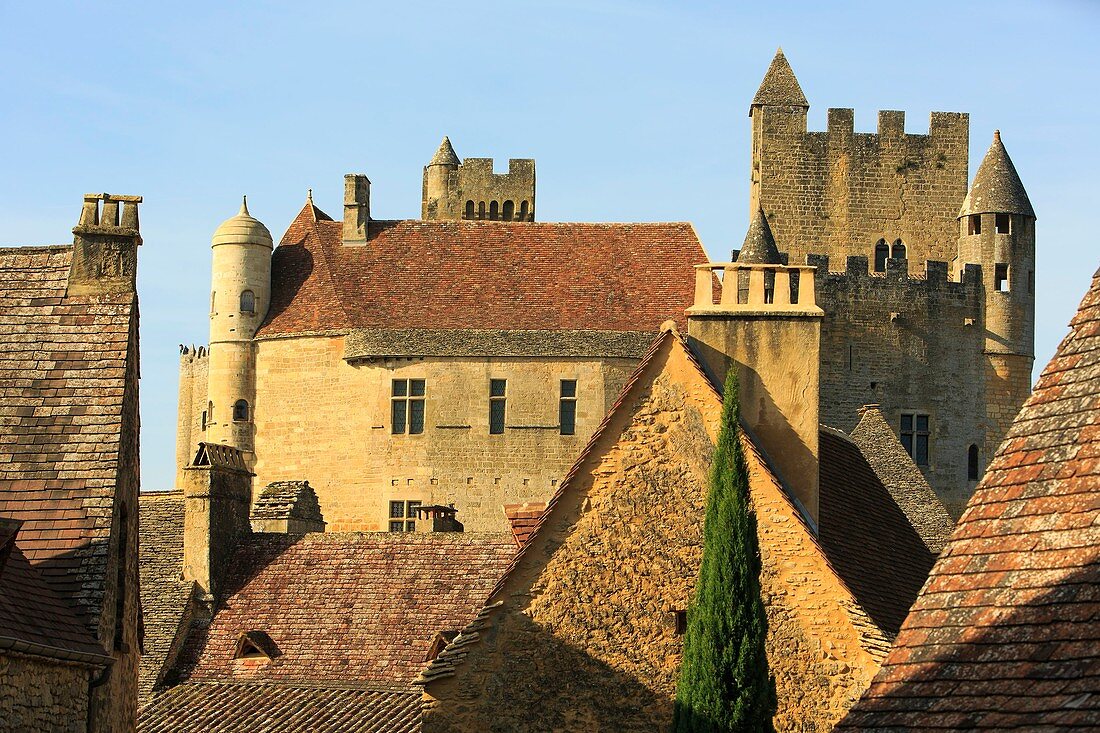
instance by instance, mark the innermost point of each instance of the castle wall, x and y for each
(590, 611)
(190, 426)
(447, 190)
(909, 344)
(321, 418)
(42, 695)
(838, 192)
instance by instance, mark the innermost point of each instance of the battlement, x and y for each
(778, 288)
(859, 266)
(943, 127)
(471, 190)
(101, 214)
(192, 353)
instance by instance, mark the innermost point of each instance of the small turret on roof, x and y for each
(445, 155)
(759, 246)
(997, 187)
(780, 87)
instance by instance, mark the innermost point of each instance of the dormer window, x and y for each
(255, 645)
(439, 643)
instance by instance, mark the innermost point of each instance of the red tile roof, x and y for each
(349, 608)
(481, 275)
(866, 535)
(256, 708)
(1006, 634)
(63, 363)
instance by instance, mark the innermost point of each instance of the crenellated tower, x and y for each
(997, 231)
(239, 298)
(469, 189)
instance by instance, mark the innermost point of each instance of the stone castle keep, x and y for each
(364, 356)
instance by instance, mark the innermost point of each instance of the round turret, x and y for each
(242, 229)
(438, 175)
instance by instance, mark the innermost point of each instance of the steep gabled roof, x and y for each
(1005, 635)
(997, 187)
(780, 87)
(481, 275)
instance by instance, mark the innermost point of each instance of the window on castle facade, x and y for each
(240, 410)
(567, 407)
(1002, 224)
(1000, 277)
(972, 463)
(469, 210)
(523, 209)
(898, 251)
(248, 302)
(203, 421)
(974, 224)
(509, 210)
(914, 436)
(498, 389)
(882, 253)
(494, 210)
(403, 515)
(1031, 282)
(407, 407)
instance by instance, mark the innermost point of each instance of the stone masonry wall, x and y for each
(44, 695)
(910, 344)
(190, 429)
(590, 613)
(321, 419)
(838, 192)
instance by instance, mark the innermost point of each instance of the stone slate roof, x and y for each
(866, 535)
(346, 607)
(164, 593)
(901, 477)
(373, 343)
(481, 275)
(281, 708)
(446, 154)
(63, 364)
(759, 246)
(1006, 633)
(997, 187)
(522, 518)
(780, 87)
(34, 619)
(288, 500)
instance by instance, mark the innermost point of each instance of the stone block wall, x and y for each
(323, 419)
(838, 192)
(42, 695)
(510, 195)
(909, 344)
(190, 425)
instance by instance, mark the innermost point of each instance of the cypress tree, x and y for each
(725, 684)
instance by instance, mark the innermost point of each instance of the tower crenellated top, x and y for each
(469, 189)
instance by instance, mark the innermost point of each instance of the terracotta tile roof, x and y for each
(34, 619)
(280, 708)
(164, 593)
(354, 607)
(1006, 634)
(523, 518)
(63, 364)
(482, 275)
(866, 535)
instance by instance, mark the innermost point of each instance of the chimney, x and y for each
(356, 207)
(105, 246)
(770, 331)
(437, 518)
(217, 492)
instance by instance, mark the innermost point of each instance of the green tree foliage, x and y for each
(725, 684)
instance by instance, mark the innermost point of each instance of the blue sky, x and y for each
(635, 111)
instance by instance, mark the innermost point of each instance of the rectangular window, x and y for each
(1031, 282)
(403, 515)
(974, 224)
(567, 407)
(407, 406)
(914, 435)
(204, 419)
(1000, 277)
(1002, 223)
(498, 389)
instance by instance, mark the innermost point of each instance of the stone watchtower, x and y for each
(239, 299)
(997, 231)
(454, 189)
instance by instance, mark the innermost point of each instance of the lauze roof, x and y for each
(481, 275)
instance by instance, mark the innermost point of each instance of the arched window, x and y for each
(248, 302)
(509, 210)
(240, 410)
(972, 463)
(882, 252)
(523, 209)
(898, 253)
(469, 209)
(494, 210)
(480, 209)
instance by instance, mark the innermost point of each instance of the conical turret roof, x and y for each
(445, 155)
(242, 229)
(997, 187)
(759, 247)
(780, 87)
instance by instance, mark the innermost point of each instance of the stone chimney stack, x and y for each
(770, 330)
(217, 493)
(105, 243)
(356, 207)
(437, 518)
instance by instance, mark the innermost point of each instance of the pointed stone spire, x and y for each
(759, 247)
(780, 87)
(244, 207)
(445, 155)
(997, 187)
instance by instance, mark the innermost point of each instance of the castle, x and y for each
(464, 359)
